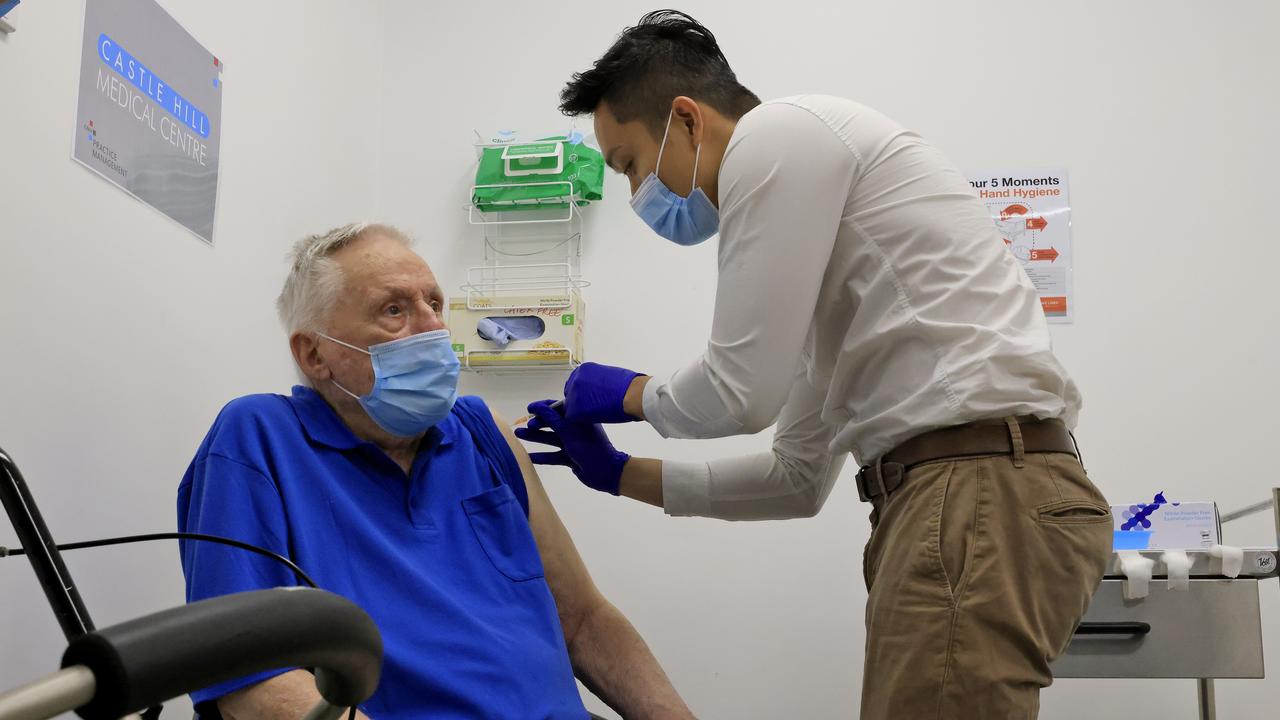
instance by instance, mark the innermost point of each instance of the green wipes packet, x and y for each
(548, 173)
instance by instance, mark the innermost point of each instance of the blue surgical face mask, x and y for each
(415, 382)
(683, 221)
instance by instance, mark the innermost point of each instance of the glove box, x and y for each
(518, 332)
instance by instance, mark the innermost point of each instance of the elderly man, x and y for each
(421, 508)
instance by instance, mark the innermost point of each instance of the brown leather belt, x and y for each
(976, 439)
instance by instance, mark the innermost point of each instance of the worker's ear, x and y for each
(687, 119)
(306, 353)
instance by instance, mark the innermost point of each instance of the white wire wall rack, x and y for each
(502, 362)
(512, 236)
(531, 250)
(486, 215)
(508, 287)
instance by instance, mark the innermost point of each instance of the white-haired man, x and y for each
(416, 504)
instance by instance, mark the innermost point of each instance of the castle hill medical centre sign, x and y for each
(149, 114)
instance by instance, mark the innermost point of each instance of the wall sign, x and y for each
(149, 114)
(1032, 210)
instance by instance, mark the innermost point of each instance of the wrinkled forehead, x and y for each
(380, 264)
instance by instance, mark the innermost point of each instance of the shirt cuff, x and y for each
(649, 400)
(686, 488)
(698, 412)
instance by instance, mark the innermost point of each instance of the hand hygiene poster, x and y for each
(150, 110)
(1032, 210)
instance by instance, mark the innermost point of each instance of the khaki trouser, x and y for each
(978, 571)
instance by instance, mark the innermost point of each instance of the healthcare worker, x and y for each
(865, 305)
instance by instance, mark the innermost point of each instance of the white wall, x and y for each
(123, 333)
(1161, 111)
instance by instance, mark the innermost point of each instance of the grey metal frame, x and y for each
(1142, 640)
(50, 696)
(1206, 697)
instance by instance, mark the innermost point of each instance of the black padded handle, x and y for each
(1113, 628)
(146, 661)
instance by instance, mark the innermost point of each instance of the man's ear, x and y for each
(306, 353)
(687, 118)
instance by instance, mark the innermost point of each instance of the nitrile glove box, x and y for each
(535, 330)
(1163, 525)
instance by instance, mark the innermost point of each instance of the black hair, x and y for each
(666, 55)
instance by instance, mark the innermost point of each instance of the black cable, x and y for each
(154, 712)
(178, 536)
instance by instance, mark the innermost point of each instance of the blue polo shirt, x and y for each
(443, 559)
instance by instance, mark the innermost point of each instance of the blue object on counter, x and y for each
(1131, 540)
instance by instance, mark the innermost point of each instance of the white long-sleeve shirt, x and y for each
(864, 297)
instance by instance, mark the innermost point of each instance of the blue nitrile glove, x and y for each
(594, 393)
(584, 448)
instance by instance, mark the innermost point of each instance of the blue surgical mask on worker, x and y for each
(415, 382)
(683, 221)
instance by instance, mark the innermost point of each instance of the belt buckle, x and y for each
(867, 472)
(876, 471)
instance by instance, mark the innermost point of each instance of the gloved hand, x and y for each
(584, 448)
(594, 394)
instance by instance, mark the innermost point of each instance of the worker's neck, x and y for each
(715, 140)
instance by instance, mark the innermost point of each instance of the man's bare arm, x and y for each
(284, 697)
(607, 653)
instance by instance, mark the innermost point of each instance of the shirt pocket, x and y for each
(503, 533)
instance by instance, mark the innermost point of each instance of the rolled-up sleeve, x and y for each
(784, 183)
(792, 480)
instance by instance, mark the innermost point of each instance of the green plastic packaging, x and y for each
(538, 175)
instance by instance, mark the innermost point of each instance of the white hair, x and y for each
(314, 281)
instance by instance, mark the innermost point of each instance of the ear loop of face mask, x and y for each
(697, 155)
(353, 347)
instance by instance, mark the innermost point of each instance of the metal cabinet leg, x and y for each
(1275, 507)
(1204, 694)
